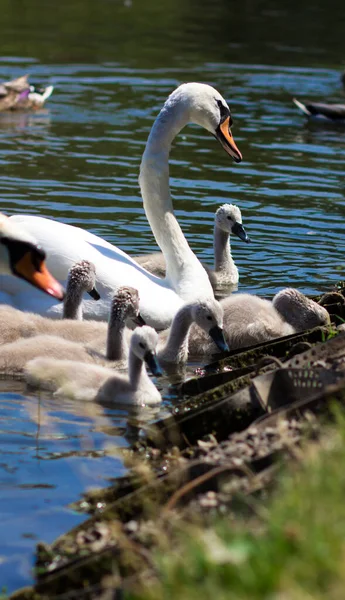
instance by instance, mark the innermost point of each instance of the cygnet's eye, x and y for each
(142, 345)
(229, 218)
(209, 318)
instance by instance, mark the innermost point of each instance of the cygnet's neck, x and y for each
(117, 348)
(137, 372)
(72, 307)
(223, 261)
(176, 347)
(184, 271)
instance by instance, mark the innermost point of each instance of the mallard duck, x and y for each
(334, 112)
(19, 94)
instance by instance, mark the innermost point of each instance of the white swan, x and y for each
(186, 279)
(228, 219)
(89, 382)
(22, 256)
(250, 320)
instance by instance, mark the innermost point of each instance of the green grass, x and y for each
(293, 549)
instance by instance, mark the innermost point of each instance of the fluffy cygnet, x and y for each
(81, 279)
(250, 320)
(207, 315)
(228, 220)
(125, 304)
(88, 382)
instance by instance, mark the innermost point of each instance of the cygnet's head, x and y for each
(300, 311)
(143, 344)
(22, 256)
(82, 276)
(228, 218)
(125, 305)
(208, 314)
(204, 106)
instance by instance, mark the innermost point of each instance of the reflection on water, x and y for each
(113, 63)
(51, 451)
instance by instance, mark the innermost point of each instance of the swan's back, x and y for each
(14, 356)
(16, 324)
(248, 320)
(154, 263)
(298, 310)
(252, 318)
(68, 378)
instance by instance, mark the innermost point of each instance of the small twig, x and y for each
(190, 485)
(265, 360)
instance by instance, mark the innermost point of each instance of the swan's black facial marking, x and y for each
(17, 250)
(224, 113)
(223, 132)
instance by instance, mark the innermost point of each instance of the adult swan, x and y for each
(186, 279)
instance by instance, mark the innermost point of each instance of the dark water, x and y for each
(113, 64)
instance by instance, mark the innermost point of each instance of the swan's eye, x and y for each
(209, 318)
(142, 345)
(229, 218)
(224, 112)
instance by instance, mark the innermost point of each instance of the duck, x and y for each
(16, 324)
(79, 381)
(19, 94)
(23, 257)
(105, 347)
(333, 112)
(186, 279)
(228, 219)
(250, 320)
(174, 342)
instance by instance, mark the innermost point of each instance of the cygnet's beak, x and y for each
(224, 136)
(217, 334)
(28, 262)
(240, 231)
(151, 360)
(138, 320)
(94, 294)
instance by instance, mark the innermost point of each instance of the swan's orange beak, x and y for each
(225, 137)
(36, 273)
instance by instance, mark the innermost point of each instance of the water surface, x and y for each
(113, 64)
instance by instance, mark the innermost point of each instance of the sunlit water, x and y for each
(78, 161)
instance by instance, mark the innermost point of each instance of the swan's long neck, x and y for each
(223, 261)
(116, 343)
(137, 372)
(176, 347)
(184, 271)
(72, 307)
